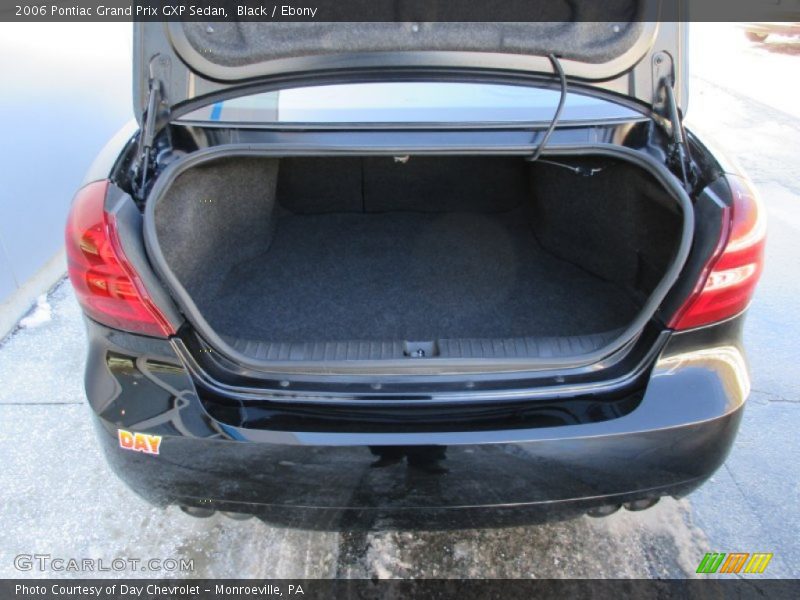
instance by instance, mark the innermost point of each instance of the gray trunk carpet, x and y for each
(410, 276)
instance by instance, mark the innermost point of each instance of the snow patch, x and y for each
(42, 313)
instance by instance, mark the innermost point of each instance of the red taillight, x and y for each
(107, 287)
(730, 277)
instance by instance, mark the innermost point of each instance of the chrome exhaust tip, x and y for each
(603, 511)
(194, 511)
(236, 516)
(643, 504)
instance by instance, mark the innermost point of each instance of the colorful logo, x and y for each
(139, 442)
(735, 562)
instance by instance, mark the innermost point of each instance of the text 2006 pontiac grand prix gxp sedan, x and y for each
(444, 273)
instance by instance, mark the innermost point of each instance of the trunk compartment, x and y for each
(381, 258)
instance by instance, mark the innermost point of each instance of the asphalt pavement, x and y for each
(57, 496)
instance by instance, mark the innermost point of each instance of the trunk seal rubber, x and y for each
(403, 366)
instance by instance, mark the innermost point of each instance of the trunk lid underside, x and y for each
(612, 47)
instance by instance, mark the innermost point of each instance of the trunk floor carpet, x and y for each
(410, 276)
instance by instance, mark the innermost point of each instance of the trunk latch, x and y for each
(420, 349)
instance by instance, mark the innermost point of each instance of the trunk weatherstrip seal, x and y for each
(403, 367)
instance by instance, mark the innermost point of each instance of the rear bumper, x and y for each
(677, 436)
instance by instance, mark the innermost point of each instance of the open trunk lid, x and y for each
(618, 46)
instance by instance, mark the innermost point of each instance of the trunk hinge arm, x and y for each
(665, 107)
(156, 113)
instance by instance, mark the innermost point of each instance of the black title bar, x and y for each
(311, 589)
(400, 10)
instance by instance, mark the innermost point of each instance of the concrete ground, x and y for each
(57, 495)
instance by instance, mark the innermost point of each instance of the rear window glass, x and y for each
(405, 102)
